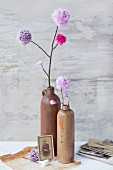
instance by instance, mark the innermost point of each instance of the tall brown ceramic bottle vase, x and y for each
(49, 114)
(65, 135)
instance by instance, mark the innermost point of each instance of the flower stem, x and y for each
(52, 48)
(40, 48)
(68, 101)
(44, 71)
(62, 97)
(54, 36)
(55, 46)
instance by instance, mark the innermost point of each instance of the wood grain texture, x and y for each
(87, 58)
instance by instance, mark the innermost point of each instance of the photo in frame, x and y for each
(46, 147)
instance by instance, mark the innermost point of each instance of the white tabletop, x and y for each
(87, 164)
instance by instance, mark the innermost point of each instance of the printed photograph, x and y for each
(46, 147)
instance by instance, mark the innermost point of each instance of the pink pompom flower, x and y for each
(61, 39)
(62, 82)
(61, 17)
(24, 37)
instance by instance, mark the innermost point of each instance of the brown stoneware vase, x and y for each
(49, 114)
(65, 135)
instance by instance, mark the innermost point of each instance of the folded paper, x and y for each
(20, 161)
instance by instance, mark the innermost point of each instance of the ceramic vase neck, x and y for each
(65, 107)
(50, 90)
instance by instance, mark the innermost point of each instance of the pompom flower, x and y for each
(61, 39)
(62, 82)
(66, 94)
(60, 17)
(39, 64)
(33, 155)
(52, 102)
(24, 36)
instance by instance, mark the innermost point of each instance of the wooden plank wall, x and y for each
(87, 58)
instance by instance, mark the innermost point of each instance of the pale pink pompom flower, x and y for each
(60, 38)
(39, 64)
(62, 82)
(61, 17)
(52, 102)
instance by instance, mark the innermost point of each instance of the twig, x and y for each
(52, 48)
(54, 37)
(62, 97)
(55, 46)
(44, 71)
(40, 48)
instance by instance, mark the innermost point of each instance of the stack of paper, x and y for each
(20, 161)
(101, 150)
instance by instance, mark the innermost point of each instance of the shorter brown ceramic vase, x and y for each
(65, 135)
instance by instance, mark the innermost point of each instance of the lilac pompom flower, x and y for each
(66, 94)
(33, 155)
(61, 17)
(62, 82)
(24, 37)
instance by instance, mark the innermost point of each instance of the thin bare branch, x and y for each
(40, 48)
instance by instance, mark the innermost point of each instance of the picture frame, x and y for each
(46, 147)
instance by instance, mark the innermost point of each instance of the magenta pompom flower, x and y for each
(33, 155)
(24, 36)
(62, 82)
(61, 17)
(61, 39)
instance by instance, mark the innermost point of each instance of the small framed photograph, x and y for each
(46, 147)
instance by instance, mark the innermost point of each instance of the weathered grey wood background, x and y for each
(87, 58)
